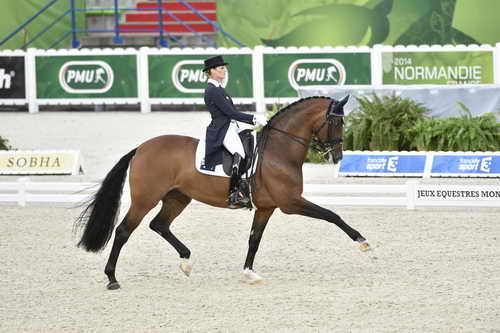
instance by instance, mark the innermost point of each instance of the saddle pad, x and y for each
(219, 171)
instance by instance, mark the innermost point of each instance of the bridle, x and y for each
(334, 117)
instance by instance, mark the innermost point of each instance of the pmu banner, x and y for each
(383, 164)
(99, 76)
(181, 75)
(12, 77)
(472, 164)
(440, 67)
(285, 73)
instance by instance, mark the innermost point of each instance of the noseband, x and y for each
(332, 119)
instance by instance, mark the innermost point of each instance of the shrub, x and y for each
(4, 145)
(382, 123)
(464, 133)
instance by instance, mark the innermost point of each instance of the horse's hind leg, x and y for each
(131, 220)
(173, 204)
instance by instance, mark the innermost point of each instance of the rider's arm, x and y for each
(224, 105)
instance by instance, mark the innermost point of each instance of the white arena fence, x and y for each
(412, 194)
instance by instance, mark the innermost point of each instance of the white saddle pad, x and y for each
(219, 171)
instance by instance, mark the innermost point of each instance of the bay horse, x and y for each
(163, 169)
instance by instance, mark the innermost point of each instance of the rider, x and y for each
(223, 129)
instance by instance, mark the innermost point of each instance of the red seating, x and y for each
(146, 19)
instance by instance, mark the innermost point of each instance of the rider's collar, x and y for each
(214, 82)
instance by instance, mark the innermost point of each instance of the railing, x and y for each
(118, 30)
(409, 195)
(71, 11)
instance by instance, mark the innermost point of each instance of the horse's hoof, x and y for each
(365, 247)
(251, 277)
(186, 267)
(113, 286)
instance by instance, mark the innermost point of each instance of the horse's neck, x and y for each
(299, 130)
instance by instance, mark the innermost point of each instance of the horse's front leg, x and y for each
(260, 219)
(301, 206)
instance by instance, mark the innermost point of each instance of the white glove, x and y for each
(260, 119)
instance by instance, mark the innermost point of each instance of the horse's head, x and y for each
(330, 132)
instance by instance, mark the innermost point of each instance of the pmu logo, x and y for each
(316, 72)
(6, 79)
(86, 77)
(188, 76)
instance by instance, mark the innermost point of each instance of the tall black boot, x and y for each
(237, 198)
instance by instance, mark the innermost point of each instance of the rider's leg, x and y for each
(232, 142)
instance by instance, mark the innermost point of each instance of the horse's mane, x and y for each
(290, 106)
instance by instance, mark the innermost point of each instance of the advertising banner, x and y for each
(465, 165)
(456, 193)
(443, 67)
(285, 73)
(387, 164)
(311, 23)
(181, 76)
(20, 162)
(100, 76)
(12, 77)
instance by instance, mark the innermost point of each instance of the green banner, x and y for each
(285, 73)
(447, 67)
(181, 76)
(113, 76)
(358, 22)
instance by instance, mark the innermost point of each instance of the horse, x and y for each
(163, 169)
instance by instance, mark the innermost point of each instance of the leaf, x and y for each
(322, 32)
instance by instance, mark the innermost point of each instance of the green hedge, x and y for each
(4, 145)
(394, 123)
(382, 123)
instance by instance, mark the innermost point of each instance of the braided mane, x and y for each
(290, 106)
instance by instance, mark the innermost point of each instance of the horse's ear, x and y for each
(337, 107)
(343, 101)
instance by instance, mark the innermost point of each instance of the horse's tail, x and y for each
(99, 216)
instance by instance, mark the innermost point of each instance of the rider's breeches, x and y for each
(232, 141)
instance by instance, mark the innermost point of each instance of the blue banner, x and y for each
(388, 164)
(466, 164)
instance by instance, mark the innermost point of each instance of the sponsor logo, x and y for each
(316, 73)
(6, 78)
(486, 164)
(188, 76)
(475, 164)
(86, 77)
(389, 164)
(392, 163)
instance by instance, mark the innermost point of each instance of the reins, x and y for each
(295, 138)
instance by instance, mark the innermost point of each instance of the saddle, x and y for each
(247, 165)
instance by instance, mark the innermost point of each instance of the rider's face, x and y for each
(218, 73)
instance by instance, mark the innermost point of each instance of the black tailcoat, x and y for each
(221, 108)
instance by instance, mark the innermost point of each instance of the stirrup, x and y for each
(237, 200)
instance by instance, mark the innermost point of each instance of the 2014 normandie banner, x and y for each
(260, 75)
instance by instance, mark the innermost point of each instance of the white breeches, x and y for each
(232, 141)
